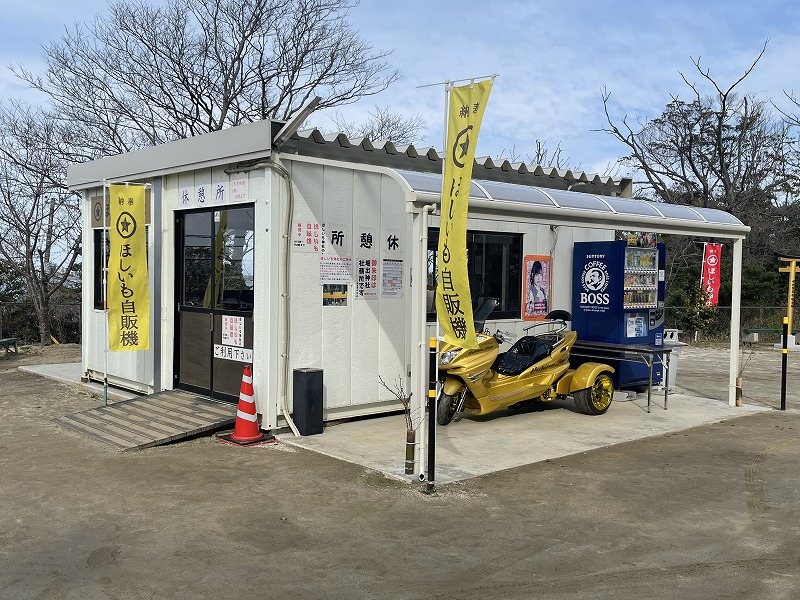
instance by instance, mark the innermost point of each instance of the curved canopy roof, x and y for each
(561, 207)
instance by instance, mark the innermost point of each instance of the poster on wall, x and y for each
(233, 331)
(307, 236)
(336, 240)
(636, 325)
(335, 269)
(367, 240)
(334, 294)
(240, 191)
(392, 280)
(638, 239)
(366, 278)
(536, 299)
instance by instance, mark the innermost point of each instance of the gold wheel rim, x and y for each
(602, 392)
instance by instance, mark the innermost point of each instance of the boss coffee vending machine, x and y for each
(618, 297)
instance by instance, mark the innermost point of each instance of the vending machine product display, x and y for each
(618, 297)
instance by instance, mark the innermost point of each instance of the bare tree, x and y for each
(723, 150)
(39, 217)
(383, 124)
(147, 74)
(540, 155)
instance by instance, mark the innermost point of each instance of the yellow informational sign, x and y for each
(453, 301)
(128, 296)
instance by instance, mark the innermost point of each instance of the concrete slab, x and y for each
(72, 373)
(508, 439)
(64, 372)
(479, 445)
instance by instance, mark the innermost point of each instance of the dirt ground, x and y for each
(40, 355)
(711, 512)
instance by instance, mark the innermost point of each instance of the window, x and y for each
(99, 265)
(494, 266)
(218, 259)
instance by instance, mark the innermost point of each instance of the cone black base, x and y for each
(228, 439)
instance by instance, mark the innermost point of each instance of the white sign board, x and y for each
(366, 277)
(240, 189)
(307, 237)
(233, 331)
(336, 269)
(244, 355)
(392, 284)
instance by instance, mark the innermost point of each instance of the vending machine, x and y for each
(618, 297)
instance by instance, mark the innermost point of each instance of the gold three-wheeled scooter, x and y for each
(535, 369)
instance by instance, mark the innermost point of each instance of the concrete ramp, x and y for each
(152, 420)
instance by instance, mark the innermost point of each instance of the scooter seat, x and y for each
(524, 353)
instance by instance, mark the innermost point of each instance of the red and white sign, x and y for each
(710, 278)
(233, 331)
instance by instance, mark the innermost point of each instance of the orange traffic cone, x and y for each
(246, 430)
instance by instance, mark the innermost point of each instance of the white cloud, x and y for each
(553, 57)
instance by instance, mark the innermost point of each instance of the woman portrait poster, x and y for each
(536, 299)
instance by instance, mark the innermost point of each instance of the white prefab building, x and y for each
(296, 250)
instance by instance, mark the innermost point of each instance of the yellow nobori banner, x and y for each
(128, 295)
(453, 301)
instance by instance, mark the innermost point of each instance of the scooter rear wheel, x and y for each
(446, 407)
(596, 399)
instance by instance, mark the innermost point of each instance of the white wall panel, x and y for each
(395, 313)
(337, 321)
(305, 293)
(365, 347)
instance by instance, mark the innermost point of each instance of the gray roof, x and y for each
(548, 195)
(562, 207)
(337, 146)
(252, 142)
(229, 146)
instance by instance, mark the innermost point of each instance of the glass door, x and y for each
(215, 266)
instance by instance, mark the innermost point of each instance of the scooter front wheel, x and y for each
(446, 405)
(596, 399)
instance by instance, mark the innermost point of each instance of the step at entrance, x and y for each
(152, 420)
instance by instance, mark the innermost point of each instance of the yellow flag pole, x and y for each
(450, 162)
(104, 267)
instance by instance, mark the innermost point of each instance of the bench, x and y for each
(10, 344)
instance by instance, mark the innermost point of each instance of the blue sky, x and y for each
(552, 58)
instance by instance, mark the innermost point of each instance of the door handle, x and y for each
(211, 322)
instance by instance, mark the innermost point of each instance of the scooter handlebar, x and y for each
(503, 336)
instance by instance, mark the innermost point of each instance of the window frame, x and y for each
(478, 239)
(99, 268)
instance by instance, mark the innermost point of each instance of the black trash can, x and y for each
(307, 413)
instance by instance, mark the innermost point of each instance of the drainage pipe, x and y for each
(286, 236)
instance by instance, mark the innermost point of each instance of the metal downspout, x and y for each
(286, 236)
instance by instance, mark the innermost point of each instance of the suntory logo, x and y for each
(595, 282)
